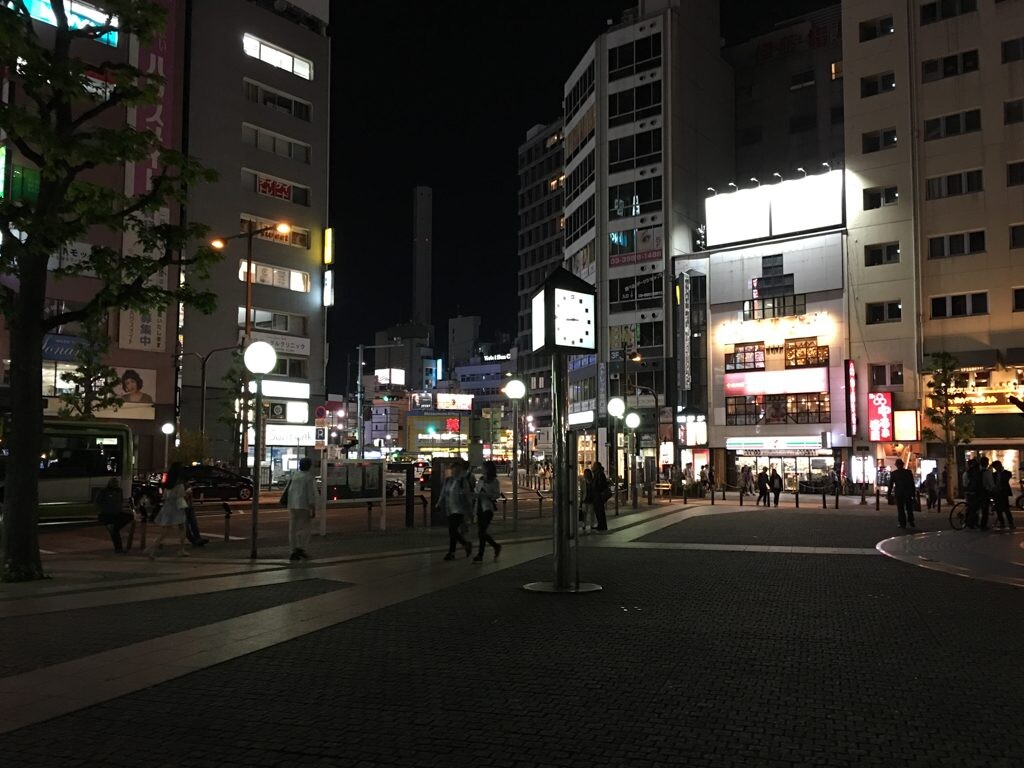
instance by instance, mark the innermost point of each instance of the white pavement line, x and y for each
(786, 550)
(104, 676)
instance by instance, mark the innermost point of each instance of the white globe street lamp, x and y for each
(168, 430)
(260, 359)
(632, 422)
(515, 390)
(616, 407)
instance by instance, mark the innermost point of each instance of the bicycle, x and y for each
(958, 516)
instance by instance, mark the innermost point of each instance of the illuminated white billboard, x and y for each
(446, 401)
(776, 382)
(772, 210)
(395, 376)
(814, 202)
(737, 216)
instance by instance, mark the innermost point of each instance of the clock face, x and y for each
(574, 319)
(538, 321)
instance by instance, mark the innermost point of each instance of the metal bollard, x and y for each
(741, 497)
(685, 500)
(837, 499)
(227, 522)
(796, 497)
(650, 494)
(540, 504)
(723, 493)
(824, 500)
(878, 499)
(712, 497)
(863, 491)
(504, 507)
(369, 515)
(938, 503)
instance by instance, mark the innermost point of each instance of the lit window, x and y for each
(277, 57)
(278, 277)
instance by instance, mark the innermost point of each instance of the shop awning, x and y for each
(1014, 357)
(968, 360)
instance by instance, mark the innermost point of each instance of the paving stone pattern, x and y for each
(31, 642)
(700, 658)
(844, 527)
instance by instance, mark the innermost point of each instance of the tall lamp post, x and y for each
(220, 243)
(632, 422)
(260, 359)
(168, 430)
(515, 390)
(616, 407)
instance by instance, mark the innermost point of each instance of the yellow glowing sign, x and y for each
(329, 245)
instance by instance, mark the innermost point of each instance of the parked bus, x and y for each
(76, 462)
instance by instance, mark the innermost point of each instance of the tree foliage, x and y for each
(191, 447)
(95, 382)
(951, 424)
(60, 125)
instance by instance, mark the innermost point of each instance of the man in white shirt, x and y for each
(301, 509)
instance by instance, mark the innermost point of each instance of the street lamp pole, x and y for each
(515, 390)
(168, 430)
(616, 408)
(260, 359)
(203, 360)
(632, 422)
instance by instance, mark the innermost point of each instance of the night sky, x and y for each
(428, 93)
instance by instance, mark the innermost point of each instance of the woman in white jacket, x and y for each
(487, 493)
(175, 501)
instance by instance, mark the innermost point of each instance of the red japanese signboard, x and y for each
(851, 398)
(273, 188)
(880, 417)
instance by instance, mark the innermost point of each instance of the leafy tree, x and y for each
(952, 425)
(191, 447)
(231, 413)
(67, 130)
(95, 382)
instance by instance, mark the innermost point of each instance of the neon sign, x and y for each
(851, 398)
(880, 417)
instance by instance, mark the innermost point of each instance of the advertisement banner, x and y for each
(850, 366)
(649, 247)
(880, 417)
(283, 345)
(446, 401)
(792, 381)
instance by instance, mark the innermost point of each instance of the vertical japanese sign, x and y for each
(684, 365)
(880, 417)
(148, 331)
(850, 366)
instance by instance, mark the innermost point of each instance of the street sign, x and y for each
(320, 412)
(320, 423)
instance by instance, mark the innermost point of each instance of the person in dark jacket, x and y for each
(1001, 495)
(112, 512)
(903, 487)
(775, 483)
(763, 487)
(602, 492)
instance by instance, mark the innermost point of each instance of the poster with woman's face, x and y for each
(137, 388)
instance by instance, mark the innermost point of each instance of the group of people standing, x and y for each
(987, 488)
(464, 498)
(767, 482)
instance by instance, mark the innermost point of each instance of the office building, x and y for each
(258, 98)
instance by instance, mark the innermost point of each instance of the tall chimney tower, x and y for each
(422, 247)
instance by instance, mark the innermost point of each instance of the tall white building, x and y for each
(648, 118)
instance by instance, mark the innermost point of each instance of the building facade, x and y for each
(648, 116)
(262, 69)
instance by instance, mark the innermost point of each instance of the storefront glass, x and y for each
(808, 473)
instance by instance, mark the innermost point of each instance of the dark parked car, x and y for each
(209, 482)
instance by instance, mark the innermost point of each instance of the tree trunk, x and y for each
(20, 557)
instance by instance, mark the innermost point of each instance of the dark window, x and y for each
(1018, 299)
(749, 135)
(881, 253)
(837, 115)
(873, 28)
(1013, 111)
(876, 84)
(957, 244)
(1013, 50)
(777, 306)
(877, 197)
(1017, 236)
(960, 305)
(884, 312)
(946, 9)
(949, 66)
(1014, 174)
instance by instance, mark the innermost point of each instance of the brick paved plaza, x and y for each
(691, 655)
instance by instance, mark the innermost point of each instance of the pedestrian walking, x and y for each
(112, 513)
(704, 477)
(712, 480)
(763, 487)
(903, 488)
(176, 500)
(487, 492)
(1002, 494)
(931, 488)
(775, 482)
(457, 499)
(301, 502)
(602, 492)
(587, 499)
